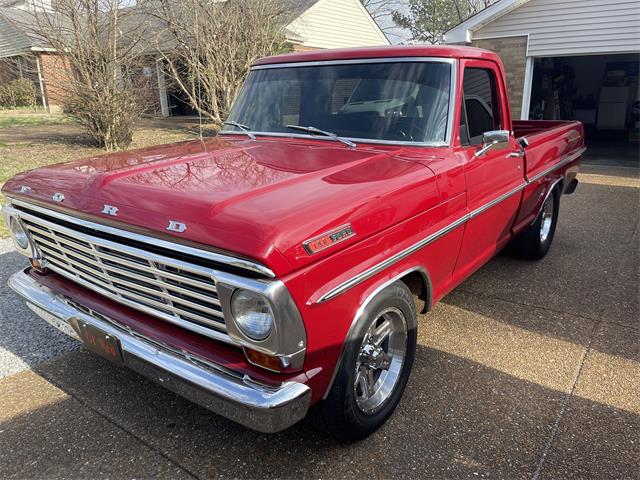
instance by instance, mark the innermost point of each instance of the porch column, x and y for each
(41, 83)
(162, 89)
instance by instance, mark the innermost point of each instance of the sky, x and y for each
(395, 34)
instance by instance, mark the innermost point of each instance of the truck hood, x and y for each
(260, 199)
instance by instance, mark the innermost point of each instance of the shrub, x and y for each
(18, 93)
(98, 44)
(110, 116)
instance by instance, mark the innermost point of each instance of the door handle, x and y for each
(518, 154)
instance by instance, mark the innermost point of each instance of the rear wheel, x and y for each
(534, 242)
(375, 367)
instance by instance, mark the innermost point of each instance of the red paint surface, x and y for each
(262, 199)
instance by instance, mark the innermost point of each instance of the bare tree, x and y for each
(97, 46)
(207, 46)
(428, 20)
(382, 12)
(379, 9)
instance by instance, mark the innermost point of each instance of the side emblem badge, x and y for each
(328, 239)
(176, 226)
(58, 197)
(25, 189)
(110, 210)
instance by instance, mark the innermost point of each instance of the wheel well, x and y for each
(419, 285)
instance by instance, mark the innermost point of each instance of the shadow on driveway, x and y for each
(458, 419)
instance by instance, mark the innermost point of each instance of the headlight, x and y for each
(252, 314)
(20, 236)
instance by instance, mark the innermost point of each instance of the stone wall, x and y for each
(513, 52)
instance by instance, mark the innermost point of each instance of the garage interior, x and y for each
(602, 91)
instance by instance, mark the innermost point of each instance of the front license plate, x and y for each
(99, 342)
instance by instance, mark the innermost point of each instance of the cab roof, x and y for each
(393, 51)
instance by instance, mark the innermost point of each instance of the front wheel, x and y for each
(534, 242)
(375, 367)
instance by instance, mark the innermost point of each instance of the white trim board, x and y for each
(462, 33)
(526, 89)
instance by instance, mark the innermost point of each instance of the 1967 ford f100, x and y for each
(277, 268)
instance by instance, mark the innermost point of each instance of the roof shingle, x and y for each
(14, 38)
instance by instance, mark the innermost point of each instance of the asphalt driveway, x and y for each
(526, 370)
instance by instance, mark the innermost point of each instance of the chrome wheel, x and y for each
(380, 360)
(547, 218)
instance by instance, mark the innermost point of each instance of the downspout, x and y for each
(41, 83)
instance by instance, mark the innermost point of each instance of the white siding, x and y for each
(337, 24)
(571, 27)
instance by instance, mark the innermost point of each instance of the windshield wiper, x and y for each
(245, 129)
(331, 135)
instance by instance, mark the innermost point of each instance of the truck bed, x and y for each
(523, 128)
(548, 142)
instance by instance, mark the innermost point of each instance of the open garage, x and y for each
(569, 60)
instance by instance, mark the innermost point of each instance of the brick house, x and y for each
(566, 60)
(315, 24)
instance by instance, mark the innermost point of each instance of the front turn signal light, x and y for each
(36, 264)
(263, 360)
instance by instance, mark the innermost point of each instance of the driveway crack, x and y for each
(565, 402)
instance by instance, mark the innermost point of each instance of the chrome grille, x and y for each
(172, 289)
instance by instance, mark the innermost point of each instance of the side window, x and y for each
(481, 111)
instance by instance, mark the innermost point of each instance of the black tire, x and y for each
(531, 244)
(341, 414)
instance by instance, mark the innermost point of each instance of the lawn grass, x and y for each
(20, 118)
(18, 152)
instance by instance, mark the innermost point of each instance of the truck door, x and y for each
(490, 176)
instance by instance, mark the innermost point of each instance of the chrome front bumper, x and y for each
(260, 407)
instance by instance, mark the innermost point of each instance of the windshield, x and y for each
(394, 101)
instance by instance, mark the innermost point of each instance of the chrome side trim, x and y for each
(568, 159)
(496, 201)
(264, 408)
(370, 272)
(196, 252)
(359, 313)
(415, 247)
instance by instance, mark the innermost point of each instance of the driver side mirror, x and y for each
(493, 140)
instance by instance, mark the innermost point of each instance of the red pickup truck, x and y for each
(281, 266)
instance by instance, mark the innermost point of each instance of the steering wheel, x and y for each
(407, 129)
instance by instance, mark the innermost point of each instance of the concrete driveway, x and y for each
(526, 370)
